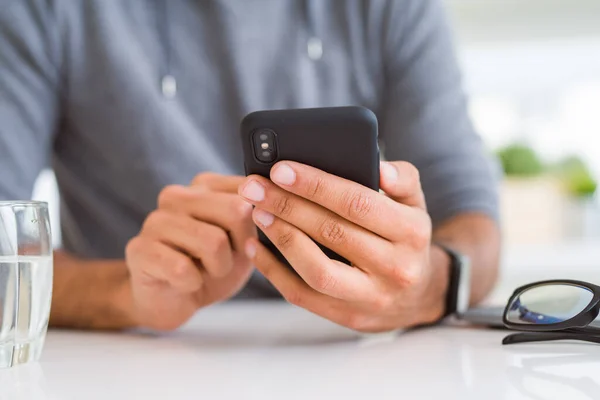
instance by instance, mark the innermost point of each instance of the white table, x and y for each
(270, 350)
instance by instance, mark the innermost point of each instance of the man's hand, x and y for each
(189, 252)
(398, 280)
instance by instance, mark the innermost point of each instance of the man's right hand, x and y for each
(190, 251)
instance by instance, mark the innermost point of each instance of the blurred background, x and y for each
(532, 70)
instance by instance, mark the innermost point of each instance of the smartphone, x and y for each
(342, 141)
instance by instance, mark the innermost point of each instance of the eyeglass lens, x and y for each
(548, 304)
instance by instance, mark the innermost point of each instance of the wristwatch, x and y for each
(459, 285)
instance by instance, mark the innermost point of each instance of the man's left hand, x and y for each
(398, 278)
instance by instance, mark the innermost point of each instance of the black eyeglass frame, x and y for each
(575, 328)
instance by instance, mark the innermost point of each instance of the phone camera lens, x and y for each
(265, 145)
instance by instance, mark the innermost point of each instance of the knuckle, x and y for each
(283, 206)
(332, 231)
(240, 210)
(316, 187)
(399, 276)
(414, 275)
(134, 247)
(285, 239)
(382, 303)
(180, 266)
(155, 217)
(358, 204)
(411, 174)
(293, 297)
(420, 234)
(357, 322)
(217, 241)
(392, 261)
(198, 230)
(204, 179)
(406, 276)
(160, 258)
(323, 281)
(169, 195)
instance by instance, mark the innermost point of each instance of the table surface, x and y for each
(264, 350)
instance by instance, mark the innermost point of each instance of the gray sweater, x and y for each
(121, 98)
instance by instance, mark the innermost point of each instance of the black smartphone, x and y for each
(339, 140)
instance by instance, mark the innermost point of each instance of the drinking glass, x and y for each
(25, 280)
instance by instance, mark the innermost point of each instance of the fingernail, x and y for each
(389, 172)
(283, 175)
(254, 191)
(263, 218)
(250, 250)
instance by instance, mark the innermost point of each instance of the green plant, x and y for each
(520, 160)
(576, 177)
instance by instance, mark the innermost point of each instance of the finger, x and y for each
(351, 241)
(350, 200)
(295, 290)
(227, 211)
(324, 275)
(150, 260)
(218, 183)
(203, 241)
(400, 180)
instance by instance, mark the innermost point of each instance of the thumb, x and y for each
(400, 181)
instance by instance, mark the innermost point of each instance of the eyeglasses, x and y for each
(553, 310)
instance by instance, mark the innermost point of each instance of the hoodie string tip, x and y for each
(169, 86)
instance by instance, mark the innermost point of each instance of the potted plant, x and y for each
(532, 199)
(520, 160)
(583, 216)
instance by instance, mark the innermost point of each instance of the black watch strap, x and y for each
(455, 302)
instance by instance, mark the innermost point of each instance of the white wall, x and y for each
(486, 21)
(532, 68)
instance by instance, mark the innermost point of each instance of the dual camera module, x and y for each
(265, 145)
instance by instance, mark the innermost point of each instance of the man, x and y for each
(137, 105)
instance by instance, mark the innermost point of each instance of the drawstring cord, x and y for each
(168, 83)
(314, 44)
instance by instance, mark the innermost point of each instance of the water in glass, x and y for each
(25, 282)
